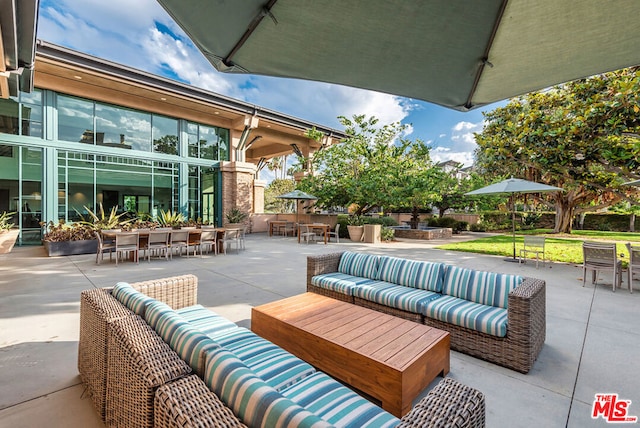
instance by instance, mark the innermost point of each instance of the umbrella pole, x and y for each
(513, 229)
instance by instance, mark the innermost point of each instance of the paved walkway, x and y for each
(592, 346)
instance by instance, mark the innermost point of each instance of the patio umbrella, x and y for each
(297, 195)
(513, 186)
(457, 53)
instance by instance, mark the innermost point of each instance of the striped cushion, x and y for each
(486, 288)
(490, 288)
(461, 312)
(163, 319)
(340, 282)
(356, 264)
(205, 320)
(250, 398)
(411, 273)
(191, 345)
(396, 296)
(277, 367)
(131, 298)
(337, 404)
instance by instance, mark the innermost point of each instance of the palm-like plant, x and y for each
(5, 220)
(100, 221)
(173, 219)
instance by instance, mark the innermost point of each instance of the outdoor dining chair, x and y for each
(127, 242)
(209, 240)
(335, 233)
(601, 256)
(104, 246)
(533, 245)
(307, 234)
(157, 241)
(634, 263)
(230, 236)
(179, 240)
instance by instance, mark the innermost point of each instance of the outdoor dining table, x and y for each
(324, 228)
(276, 224)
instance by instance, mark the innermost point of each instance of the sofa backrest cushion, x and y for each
(163, 319)
(411, 273)
(358, 264)
(131, 298)
(486, 288)
(192, 345)
(251, 399)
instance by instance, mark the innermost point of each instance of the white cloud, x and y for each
(462, 144)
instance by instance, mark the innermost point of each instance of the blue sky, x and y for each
(141, 35)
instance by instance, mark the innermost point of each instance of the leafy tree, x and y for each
(373, 167)
(166, 144)
(275, 188)
(582, 136)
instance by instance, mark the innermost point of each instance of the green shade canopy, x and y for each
(297, 194)
(456, 53)
(512, 186)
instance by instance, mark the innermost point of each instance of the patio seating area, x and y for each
(590, 347)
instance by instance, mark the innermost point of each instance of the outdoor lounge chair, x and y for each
(634, 263)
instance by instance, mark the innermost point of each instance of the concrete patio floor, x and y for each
(592, 343)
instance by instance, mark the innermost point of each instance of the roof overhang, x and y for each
(18, 27)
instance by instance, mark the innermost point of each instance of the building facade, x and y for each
(94, 133)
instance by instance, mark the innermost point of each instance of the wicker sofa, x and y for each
(195, 368)
(496, 317)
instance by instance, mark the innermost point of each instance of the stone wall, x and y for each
(440, 233)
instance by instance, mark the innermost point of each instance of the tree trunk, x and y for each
(632, 222)
(415, 218)
(564, 214)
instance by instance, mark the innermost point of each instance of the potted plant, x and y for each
(171, 219)
(235, 217)
(355, 226)
(8, 234)
(64, 239)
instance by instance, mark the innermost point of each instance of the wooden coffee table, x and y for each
(388, 358)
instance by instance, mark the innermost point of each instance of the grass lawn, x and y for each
(558, 247)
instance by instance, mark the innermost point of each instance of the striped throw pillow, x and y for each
(411, 273)
(131, 298)
(357, 264)
(251, 399)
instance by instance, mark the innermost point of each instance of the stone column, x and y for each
(238, 187)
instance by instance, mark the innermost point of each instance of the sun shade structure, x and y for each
(298, 195)
(512, 186)
(456, 53)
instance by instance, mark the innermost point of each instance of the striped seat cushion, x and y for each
(191, 345)
(486, 288)
(463, 313)
(396, 296)
(337, 404)
(205, 320)
(357, 264)
(411, 273)
(251, 399)
(339, 282)
(277, 367)
(131, 298)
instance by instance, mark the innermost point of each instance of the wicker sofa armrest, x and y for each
(188, 403)
(177, 291)
(527, 308)
(324, 263)
(138, 362)
(449, 404)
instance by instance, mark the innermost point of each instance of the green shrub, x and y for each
(387, 234)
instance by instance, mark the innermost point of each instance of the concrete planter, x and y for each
(70, 248)
(8, 240)
(355, 232)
